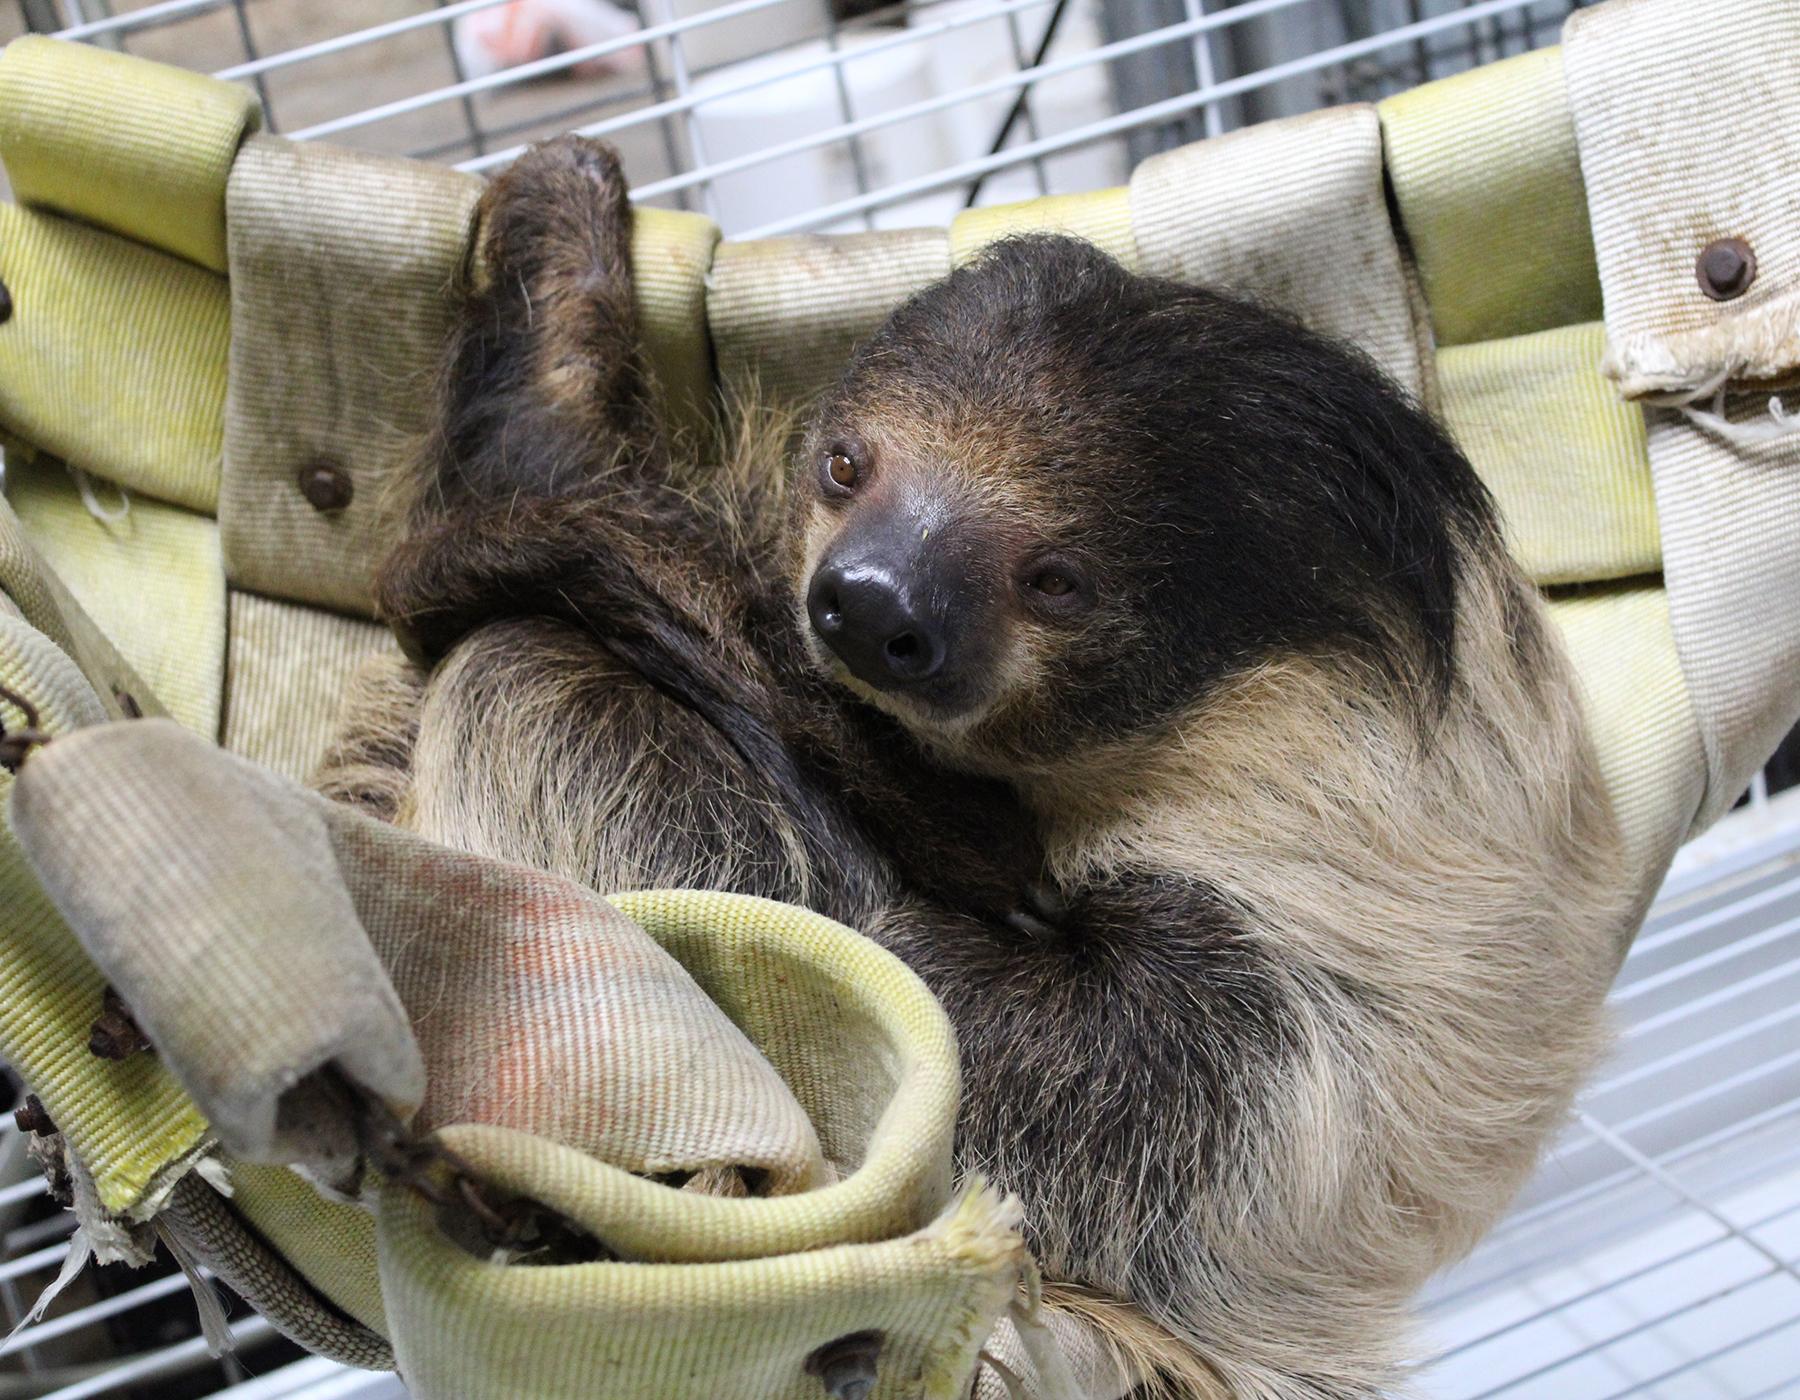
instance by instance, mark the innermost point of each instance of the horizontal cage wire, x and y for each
(1655, 1254)
(781, 116)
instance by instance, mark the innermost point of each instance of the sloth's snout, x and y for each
(866, 614)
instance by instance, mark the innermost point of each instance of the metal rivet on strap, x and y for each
(325, 487)
(31, 1118)
(1726, 268)
(846, 1367)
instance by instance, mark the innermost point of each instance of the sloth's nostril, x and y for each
(863, 614)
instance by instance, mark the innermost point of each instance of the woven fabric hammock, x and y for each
(206, 321)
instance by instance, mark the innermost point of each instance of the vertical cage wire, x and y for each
(477, 137)
(1178, 70)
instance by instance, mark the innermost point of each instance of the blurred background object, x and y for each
(796, 115)
(526, 30)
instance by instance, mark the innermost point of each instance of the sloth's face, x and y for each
(1053, 504)
(954, 571)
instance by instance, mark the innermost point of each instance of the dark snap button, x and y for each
(31, 1118)
(325, 487)
(1726, 268)
(846, 1367)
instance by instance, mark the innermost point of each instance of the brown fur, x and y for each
(1275, 919)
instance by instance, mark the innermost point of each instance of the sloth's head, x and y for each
(1052, 502)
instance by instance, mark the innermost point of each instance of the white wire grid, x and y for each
(779, 116)
(1655, 1254)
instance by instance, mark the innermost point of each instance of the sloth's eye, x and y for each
(841, 470)
(1055, 585)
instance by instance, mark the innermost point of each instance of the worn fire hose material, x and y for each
(261, 934)
(1656, 98)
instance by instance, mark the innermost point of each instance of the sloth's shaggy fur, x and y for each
(1265, 871)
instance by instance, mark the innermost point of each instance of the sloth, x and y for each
(1144, 670)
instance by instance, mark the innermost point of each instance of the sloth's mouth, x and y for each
(944, 706)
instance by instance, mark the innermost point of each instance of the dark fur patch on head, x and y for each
(1238, 486)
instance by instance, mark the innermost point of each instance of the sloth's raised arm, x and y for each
(546, 446)
(544, 390)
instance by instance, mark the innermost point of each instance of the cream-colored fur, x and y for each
(1439, 896)
(1450, 912)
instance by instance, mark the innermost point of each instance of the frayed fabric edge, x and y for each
(1758, 345)
(1775, 425)
(107, 1237)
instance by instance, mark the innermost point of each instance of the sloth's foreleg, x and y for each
(545, 390)
(546, 425)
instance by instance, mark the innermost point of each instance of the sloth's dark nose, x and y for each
(863, 613)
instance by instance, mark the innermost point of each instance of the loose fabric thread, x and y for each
(1778, 424)
(90, 498)
(81, 1249)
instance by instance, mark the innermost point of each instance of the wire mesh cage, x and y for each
(787, 115)
(1655, 1253)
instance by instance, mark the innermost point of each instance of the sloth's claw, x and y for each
(1042, 909)
(556, 206)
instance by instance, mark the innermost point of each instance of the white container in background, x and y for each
(709, 44)
(774, 110)
(984, 52)
(779, 109)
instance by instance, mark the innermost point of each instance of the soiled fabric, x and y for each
(38, 597)
(326, 940)
(1488, 188)
(735, 1330)
(114, 356)
(1656, 99)
(341, 271)
(290, 666)
(785, 313)
(261, 934)
(1687, 136)
(245, 901)
(147, 573)
(129, 1123)
(1565, 458)
(141, 149)
(1294, 213)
